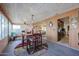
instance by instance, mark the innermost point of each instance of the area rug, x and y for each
(23, 52)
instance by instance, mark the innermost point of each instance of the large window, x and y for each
(16, 29)
(5, 27)
(10, 28)
(2, 33)
(0, 26)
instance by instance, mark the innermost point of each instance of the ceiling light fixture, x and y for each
(24, 23)
(32, 18)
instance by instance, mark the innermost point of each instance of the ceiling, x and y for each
(22, 12)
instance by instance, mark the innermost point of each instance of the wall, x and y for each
(52, 31)
(3, 44)
(74, 30)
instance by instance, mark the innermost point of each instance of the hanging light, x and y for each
(32, 18)
(32, 24)
(25, 23)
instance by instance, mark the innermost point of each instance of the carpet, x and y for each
(23, 52)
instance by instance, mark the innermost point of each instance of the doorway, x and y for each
(63, 30)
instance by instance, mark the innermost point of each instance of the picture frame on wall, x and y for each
(74, 22)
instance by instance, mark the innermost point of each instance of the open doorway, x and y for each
(63, 30)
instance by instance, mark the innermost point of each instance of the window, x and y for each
(16, 26)
(6, 27)
(16, 29)
(0, 26)
(10, 28)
